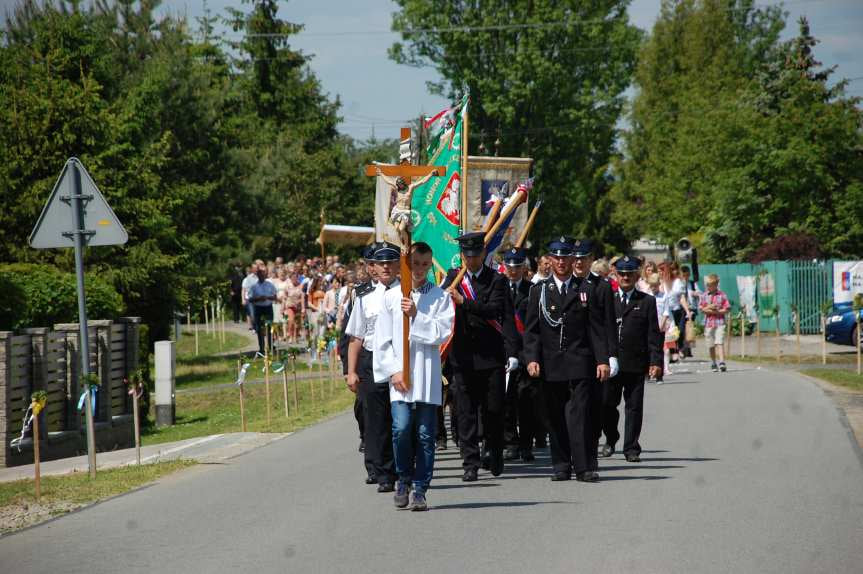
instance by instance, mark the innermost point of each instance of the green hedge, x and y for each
(40, 296)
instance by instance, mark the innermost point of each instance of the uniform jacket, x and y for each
(477, 344)
(575, 352)
(639, 338)
(604, 296)
(518, 304)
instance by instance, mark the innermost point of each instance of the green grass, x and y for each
(218, 411)
(61, 494)
(848, 379)
(789, 356)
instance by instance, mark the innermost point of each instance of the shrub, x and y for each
(40, 296)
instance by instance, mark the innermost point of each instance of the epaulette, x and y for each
(364, 289)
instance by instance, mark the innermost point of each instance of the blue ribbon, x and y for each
(93, 390)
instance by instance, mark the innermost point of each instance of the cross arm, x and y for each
(406, 171)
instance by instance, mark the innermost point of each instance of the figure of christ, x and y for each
(400, 215)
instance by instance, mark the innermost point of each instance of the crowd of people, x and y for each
(524, 356)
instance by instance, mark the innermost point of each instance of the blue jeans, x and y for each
(414, 421)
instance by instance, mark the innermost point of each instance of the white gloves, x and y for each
(615, 368)
(511, 364)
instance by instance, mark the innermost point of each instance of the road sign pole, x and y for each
(78, 213)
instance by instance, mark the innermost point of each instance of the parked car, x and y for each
(842, 326)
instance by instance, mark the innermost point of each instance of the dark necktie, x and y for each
(624, 299)
(512, 290)
(563, 289)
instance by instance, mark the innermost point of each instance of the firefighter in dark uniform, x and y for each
(604, 297)
(640, 354)
(484, 337)
(565, 343)
(376, 395)
(521, 390)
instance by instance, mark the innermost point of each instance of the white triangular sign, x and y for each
(57, 221)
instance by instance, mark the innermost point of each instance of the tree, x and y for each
(545, 77)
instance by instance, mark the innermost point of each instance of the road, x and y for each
(747, 471)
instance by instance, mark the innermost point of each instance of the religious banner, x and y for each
(766, 295)
(847, 280)
(435, 211)
(385, 200)
(495, 177)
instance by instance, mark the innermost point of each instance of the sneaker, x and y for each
(714, 368)
(722, 367)
(418, 502)
(401, 496)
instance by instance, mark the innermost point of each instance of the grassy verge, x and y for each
(218, 411)
(848, 379)
(207, 368)
(789, 357)
(62, 494)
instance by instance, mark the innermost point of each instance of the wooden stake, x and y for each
(36, 470)
(321, 376)
(823, 339)
(242, 399)
(267, 381)
(296, 386)
(797, 333)
(758, 337)
(137, 421)
(285, 389)
(778, 341)
(742, 331)
(859, 364)
(206, 319)
(196, 337)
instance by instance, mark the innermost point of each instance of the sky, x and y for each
(348, 42)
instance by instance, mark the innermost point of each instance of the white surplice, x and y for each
(431, 327)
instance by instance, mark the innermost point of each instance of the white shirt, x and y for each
(364, 314)
(678, 289)
(249, 282)
(628, 294)
(431, 327)
(537, 277)
(560, 283)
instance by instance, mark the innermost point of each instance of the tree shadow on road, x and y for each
(667, 459)
(641, 466)
(606, 478)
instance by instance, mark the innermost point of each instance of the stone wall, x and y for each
(48, 359)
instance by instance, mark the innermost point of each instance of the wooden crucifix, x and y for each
(400, 216)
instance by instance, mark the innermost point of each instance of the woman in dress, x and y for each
(314, 309)
(278, 307)
(293, 303)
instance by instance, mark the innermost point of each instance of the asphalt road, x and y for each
(747, 471)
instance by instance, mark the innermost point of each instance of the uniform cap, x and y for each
(627, 263)
(514, 256)
(385, 251)
(471, 243)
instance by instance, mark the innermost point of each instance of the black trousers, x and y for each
(378, 426)
(263, 314)
(479, 393)
(236, 307)
(521, 419)
(572, 409)
(631, 386)
(358, 413)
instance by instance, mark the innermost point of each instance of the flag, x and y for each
(436, 206)
(495, 242)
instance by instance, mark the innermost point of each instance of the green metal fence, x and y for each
(786, 285)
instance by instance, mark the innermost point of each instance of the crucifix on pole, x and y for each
(403, 175)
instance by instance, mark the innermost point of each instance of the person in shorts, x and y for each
(714, 304)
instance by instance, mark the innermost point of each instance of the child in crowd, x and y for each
(414, 407)
(714, 304)
(666, 323)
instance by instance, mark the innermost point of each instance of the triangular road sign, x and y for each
(57, 222)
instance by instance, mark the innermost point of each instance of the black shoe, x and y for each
(633, 458)
(371, 480)
(722, 367)
(386, 487)
(401, 496)
(714, 368)
(469, 475)
(485, 461)
(441, 445)
(607, 450)
(510, 453)
(496, 466)
(541, 443)
(362, 447)
(561, 475)
(587, 476)
(527, 456)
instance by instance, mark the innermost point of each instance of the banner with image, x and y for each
(847, 280)
(746, 292)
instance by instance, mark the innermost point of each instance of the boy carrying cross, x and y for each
(414, 409)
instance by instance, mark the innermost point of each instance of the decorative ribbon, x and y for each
(243, 370)
(470, 294)
(93, 390)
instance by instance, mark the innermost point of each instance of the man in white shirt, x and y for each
(414, 408)
(248, 283)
